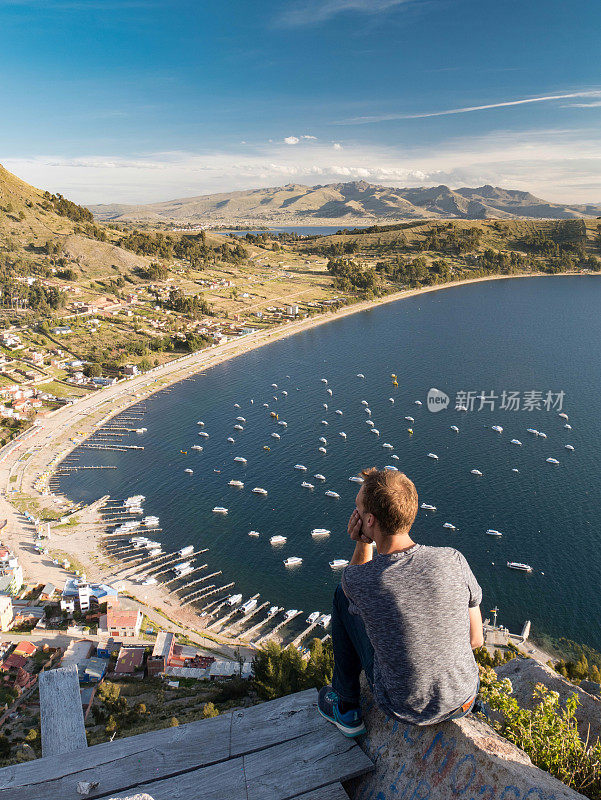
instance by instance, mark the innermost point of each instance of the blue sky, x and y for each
(145, 100)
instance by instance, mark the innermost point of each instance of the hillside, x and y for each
(344, 204)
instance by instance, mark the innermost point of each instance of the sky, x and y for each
(136, 101)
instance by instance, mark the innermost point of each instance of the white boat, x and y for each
(219, 510)
(433, 455)
(273, 610)
(200, 422)
(428, 507)
(330, 493)
(237, 405)
(238, 428)
(277, 540)
(338, 411)
(258, 490)
(324, 380)
(320, 532)
(516, 441)
(563, 415)
(240, 459)
(189, 471)
(186, 551)
(388, 446)
(282, 423)
(391, 467)
(449, 525)
(329, 391)
(497, 428)
(375, 430)
(322, 450)
(493, 532)
(337, 563)
(418, 402)
(255, 534)
(240, 419)
(231, 439)
(552, 461)
(324, 422)
(569, 447)
(313, 617)
(455, 428)
(409, 419)
(292, 612)
(203, 433)
(325, 620)
(514, 469)
(325, 405)
(391, 399)
(356, 479)
(307, 485)
(234, 599)
(367, 411)
(460, 408)
(179, 568)
(360, 375)
(239, 484)
(198, 446)
(284, 393)
(364, 403)
(542, 435)
(319, 476)
(156, 551)
(245, 608)
(300, 467)
(265, 405)
(323, 439)
(370, 423)
(150, 522)
(342, 434)
(475, 472)
(532, 430)
(275, 436)
(293, 561)
(274, 386)
(396, 458)
(519, 565)
(568, 427)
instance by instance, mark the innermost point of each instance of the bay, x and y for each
(519, 335)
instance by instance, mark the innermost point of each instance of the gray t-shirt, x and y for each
(415, 609)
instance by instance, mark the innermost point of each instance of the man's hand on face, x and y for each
(354, 529)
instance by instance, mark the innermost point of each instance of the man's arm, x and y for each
(363, 553)
(476, 635)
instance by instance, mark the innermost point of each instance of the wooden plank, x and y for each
(276, 721)
(281, 772)
(332, 792)
(121, 763)
(309, 762)
(218, 782)
(61, 712)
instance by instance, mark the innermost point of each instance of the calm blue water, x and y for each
(515, 335)
(301, 230)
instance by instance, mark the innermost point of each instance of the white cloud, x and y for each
(467, 109)
(596, 104)
(562, 165)
(307, 136)
(337, 146)
(311, 12)
(291, 140)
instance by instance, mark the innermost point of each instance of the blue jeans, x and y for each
(353, 650)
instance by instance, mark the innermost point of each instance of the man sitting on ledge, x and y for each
(409, 617)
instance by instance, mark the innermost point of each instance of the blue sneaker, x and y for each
(350, 723)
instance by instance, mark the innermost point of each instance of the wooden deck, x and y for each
(281, 750)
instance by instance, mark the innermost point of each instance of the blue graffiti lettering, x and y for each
(513, 789)
(468, 758)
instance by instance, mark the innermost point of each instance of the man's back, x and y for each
(415, 608)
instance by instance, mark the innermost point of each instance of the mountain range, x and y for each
(345, 203)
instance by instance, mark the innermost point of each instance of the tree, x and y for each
(173, 722)
(111, 725)
(209, 710)
(92, 370)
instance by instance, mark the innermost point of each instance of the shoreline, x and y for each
(47, 443)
